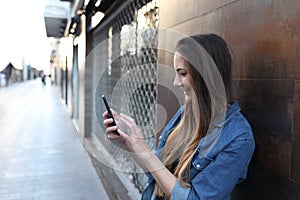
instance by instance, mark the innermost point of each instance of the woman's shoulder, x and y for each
(236, 120)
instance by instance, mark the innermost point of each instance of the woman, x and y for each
(205, 149)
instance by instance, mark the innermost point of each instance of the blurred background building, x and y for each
(24, 46)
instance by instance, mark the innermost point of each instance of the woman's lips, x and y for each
(186, 91)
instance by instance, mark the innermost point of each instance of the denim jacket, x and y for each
(217, 169)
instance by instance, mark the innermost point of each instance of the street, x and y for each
(41, 156)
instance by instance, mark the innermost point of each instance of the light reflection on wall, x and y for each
(146, 20)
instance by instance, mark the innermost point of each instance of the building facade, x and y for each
(123, 49)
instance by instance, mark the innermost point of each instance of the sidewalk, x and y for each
(40, 154)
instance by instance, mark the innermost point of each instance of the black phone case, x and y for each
(109, 113)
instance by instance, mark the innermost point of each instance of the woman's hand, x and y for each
(132, 135)
(111, 130)
(129, 137)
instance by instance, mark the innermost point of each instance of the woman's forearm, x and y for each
(149, 162)
(140, 152)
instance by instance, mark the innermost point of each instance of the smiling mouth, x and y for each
(185, 91)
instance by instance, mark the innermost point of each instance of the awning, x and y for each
(57, 14)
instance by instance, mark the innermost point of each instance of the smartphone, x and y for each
(109, 113)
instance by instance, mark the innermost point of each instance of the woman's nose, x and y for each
(177, 82)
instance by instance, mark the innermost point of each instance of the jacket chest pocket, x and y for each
(198, 164)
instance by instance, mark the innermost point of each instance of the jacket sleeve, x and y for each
(219, 177)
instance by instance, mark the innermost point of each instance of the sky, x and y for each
(23, 38)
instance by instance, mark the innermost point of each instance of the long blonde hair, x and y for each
(194, 124)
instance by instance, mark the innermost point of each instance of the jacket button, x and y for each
(198, 165)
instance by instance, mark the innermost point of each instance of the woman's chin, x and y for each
(187, 96)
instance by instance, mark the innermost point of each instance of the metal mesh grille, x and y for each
(131, 74)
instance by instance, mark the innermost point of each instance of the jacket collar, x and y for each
(230, 112)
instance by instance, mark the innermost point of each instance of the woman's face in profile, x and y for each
(183, 78)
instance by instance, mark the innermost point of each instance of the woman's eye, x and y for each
(183, 74)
